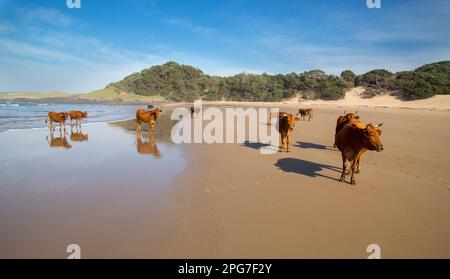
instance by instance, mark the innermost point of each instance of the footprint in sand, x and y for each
(231, 186)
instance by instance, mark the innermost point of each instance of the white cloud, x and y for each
(12, 47)
(66, 62)
(5, 28)
(46, 16)
(189, 26)
(35, 76)
(297, 56)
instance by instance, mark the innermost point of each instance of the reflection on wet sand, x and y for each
(147, 147)
(61, 141)
(107, 185)
(78, 135)
(146, 143)
(162, 129)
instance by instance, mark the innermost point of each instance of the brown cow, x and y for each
(277, 114)
(286, 123)
(77, 116)
(58, 142)
(344, 120)
(305, 113)
(353, 141)
(147, 116)
(58, 117)
(148, 147)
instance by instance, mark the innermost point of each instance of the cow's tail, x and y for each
(46, 120)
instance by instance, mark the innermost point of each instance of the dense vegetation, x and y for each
(423, 82)
(185, 83)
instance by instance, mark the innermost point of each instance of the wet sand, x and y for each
(107, 194)
(115, 199)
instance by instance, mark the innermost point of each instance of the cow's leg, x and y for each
(51, 125)
(283, 139)
(288, 140)
(152, 127)
(138, 126)
(358, 169)
(281, 143)
(344, 168)
(354, 164)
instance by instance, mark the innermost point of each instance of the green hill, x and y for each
(175, 82)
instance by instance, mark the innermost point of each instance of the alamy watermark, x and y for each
(262, 126)
(73, 4)
(374, 251)
(74, 251)
(373, 4)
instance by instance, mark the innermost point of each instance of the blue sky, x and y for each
(45, 46)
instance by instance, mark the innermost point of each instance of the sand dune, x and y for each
(353, 98)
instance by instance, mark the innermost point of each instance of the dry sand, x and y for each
(241, 204)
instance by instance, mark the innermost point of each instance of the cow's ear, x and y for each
(379, 132)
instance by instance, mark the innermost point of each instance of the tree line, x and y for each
(177, 82)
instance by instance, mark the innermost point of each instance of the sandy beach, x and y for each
(290, 205)
(116, 196)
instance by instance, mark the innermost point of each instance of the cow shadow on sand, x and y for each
(255, 145)
(310, 145)
(306, 168)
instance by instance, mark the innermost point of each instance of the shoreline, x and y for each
(284, 105)
(311, 103)
(353, 99)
